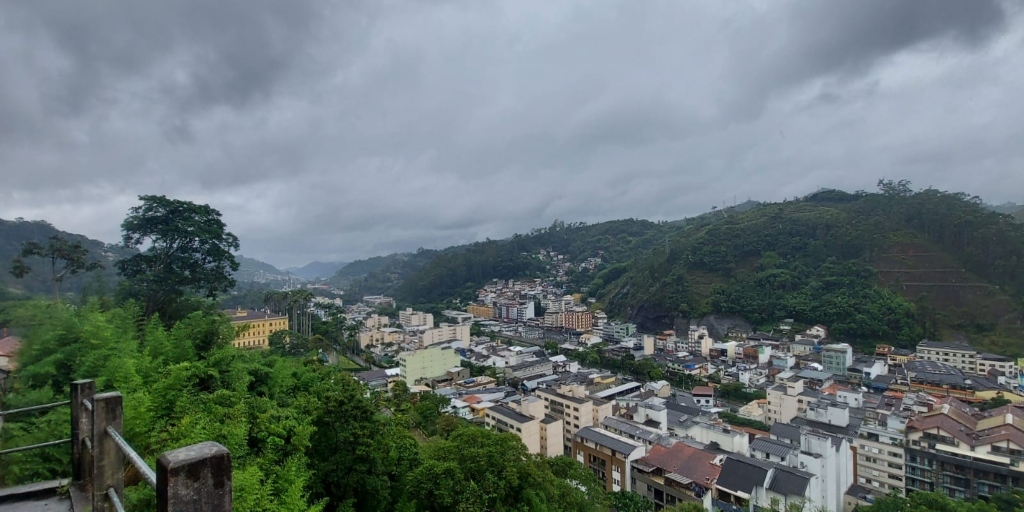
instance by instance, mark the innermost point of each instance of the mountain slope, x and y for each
(854, 262)
(317, 269)
(14, 233)
(456, 273)
(251, 270)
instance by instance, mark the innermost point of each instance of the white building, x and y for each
(410, 318)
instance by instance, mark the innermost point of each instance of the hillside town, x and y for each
(784, 419)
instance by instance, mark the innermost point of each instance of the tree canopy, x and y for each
(185, 248)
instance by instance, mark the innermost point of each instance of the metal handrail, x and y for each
(35, 408)
(112, 495)
(34, 446)
(147, 472)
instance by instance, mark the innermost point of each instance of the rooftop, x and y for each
(607, 439)
(771, 447)
(509, 414)
(249, 315)
(692, 463)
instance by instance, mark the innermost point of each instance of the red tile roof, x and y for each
(9, 346)
(684, 460)
(703, 390)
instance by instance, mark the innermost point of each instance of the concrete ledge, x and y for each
(32, 491)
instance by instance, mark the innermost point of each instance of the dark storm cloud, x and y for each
(346, 129)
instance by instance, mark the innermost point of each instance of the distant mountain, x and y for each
(318, 269)
(1013, 209)
(13, 233)
(255, 271)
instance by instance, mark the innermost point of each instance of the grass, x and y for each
(347, 364)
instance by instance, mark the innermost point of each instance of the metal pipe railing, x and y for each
(112, 496)
(35, 408)
(33, 446)
(195, 478)
(147, 472)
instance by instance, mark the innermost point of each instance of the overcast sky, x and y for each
(339, 130)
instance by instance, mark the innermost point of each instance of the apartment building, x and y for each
(444, 334)
(554, 319)
(574, 411)
(253, 328)
(880, 447)
(410, 318)
(836, 358)
(997, 362)
(376, 322)
(481, 311)
(787, 399)
(958, 355)
(608, 455)
(382, 336)
(426, 363)
(957, 450)
(680, 473)
(578, 320)
(540, 433)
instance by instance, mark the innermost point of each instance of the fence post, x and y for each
(107, 458)
(81, 390)
(195, 478)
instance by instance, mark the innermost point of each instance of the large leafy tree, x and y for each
(67, 259)
(185, 249)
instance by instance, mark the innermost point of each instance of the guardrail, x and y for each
(190, 479)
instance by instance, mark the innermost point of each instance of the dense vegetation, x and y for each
(821, 260)
(457, 272)
(289, 422)
(303, 435)
(14, 234)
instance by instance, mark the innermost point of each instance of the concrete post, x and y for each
(195, 478)
(81, 390)
(107, 458)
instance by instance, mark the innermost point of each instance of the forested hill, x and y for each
(428, 276)
(13, 233)
(250, 269)
(895, 265)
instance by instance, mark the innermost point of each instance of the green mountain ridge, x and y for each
(13, 233)
(253, 270)
(893, 266)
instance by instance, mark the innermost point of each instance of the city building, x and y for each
(533, 431)
(787, 400)
(410, 318)
(578, 320)
(379, 300)
(958, 355)
(836, 358)
(964, 453)
(608, 455)
(426, 363)
(481, 311)
(704, 396)
(679, 473)
(253, 328)
(375, 321)
(618, 332)
(879, 444)
(575, 411)
(987, 362)
(445, 333)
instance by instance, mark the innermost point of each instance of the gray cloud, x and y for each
(342, 130)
